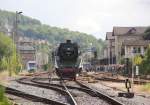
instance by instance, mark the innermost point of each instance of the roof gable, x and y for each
(128, 30)
(109, 36)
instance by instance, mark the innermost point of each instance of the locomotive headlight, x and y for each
(77, 75)
(76, 66)
(68, 49)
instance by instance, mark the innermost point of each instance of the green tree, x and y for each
(145, 65)
(5, 46)
(147, 34)
(33, 28)
(6, 50)
(137, 60)
(9, 59)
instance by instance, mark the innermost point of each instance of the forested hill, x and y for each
(35, 29)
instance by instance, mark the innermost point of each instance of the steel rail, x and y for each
(46, 86)
(118, 80)
(109, 99)
(33, 98)
(60, 86)
(88, 90)
(71, 100)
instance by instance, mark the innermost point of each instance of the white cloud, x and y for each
(87, 24)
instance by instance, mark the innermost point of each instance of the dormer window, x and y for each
(132, 31)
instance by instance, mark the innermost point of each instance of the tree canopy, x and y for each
(35, 29)
(145, 65)
(137, 60)
(5, 46)
(147, 34)
(9, 60)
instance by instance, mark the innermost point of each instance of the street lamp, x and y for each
(14, 34)
(16, 24)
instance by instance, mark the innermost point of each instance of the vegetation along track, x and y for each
(82, 90)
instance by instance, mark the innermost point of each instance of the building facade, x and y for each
(110, 41)
(125, 38)
(125, 42)
(133, 48)
(27, 52)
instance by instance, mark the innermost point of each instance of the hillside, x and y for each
(35, 29)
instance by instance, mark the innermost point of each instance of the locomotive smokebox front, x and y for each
(67, 54)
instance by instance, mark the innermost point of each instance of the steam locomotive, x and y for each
(67, 60)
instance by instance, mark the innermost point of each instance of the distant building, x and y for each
(132, 48)
(26, 51)
(41, 59)
(124, 42)
(105, 53)
(110, 41)
(128, 39)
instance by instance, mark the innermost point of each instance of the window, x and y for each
(136, 50)
(139, 50)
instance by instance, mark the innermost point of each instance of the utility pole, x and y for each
(132, 85)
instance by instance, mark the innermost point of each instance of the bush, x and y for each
(146, 87)
(147, 34)
(3, 99)
(45, 67)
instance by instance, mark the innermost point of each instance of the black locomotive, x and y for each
(67, 60)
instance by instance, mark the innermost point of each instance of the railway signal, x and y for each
(127, 94)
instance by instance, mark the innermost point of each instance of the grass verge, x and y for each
(146, 87)
(3, 99)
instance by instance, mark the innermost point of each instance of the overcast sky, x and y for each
(94, 17)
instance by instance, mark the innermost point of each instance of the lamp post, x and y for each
(16, 25)
(14, 33)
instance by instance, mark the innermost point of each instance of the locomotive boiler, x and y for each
(67, 60)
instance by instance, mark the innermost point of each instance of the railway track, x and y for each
(72, 100)
(109, 99)
(109, 78)
(83, 88)
(31, 97)
(70, 91)
(63, 89)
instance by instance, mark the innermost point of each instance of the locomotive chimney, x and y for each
(68, 41)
